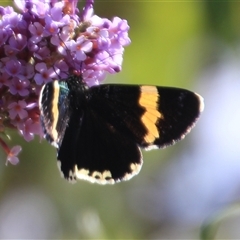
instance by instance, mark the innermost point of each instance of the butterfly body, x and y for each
(98, 131)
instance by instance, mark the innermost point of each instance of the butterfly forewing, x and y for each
(151, 116)
(98, 130)
(55, 110)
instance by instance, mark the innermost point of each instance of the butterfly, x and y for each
(99, 131)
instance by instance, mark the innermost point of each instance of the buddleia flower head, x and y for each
(41, 41)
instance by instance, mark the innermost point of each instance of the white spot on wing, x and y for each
(71, 176)
(105, 177)
(102, 178)
(201, 102)
(96, 177)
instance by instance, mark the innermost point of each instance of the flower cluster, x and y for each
(47, 40)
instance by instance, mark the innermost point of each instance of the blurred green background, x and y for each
(188, 44)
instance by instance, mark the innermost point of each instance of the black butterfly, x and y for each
(99, 131)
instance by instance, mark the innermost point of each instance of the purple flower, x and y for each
(48, 40)
(80, 48)
(13, 67)
(18, 42)
(45, 75)
(17, 109)
(28, 129)
(12, 155)
(36, 30)
(18, 86)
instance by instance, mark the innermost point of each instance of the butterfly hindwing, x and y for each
(100, 153)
